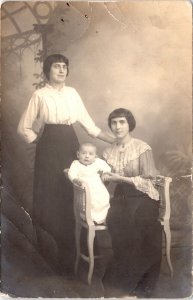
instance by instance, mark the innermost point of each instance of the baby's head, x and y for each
(86, 154)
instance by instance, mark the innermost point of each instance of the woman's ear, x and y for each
(78, 155)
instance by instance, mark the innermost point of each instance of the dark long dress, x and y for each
(53, 196)
(136, 241)
(133, 222)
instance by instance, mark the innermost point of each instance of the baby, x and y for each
(88, 168)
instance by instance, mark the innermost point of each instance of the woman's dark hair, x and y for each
(54, 58)
(122, 112)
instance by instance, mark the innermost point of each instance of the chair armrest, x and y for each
(160, 180)
(162, 184)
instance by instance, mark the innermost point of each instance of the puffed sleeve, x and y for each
(84, 118)
(73, 170)
(25, 127)
(147, 171)
(146, 164)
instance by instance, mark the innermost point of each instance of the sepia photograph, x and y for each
(96, 149)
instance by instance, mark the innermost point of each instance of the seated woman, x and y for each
(133, 215)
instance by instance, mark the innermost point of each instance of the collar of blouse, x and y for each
(123, 145)
(55, 88)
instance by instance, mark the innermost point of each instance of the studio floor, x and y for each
(26, 274)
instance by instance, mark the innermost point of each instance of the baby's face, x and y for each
(87, 154)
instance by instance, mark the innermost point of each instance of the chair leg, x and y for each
(90, 244)
(78, 228)
(167, 233)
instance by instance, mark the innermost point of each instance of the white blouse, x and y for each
(134, 160)
(51, 106)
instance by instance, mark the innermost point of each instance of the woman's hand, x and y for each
(104, 177)
(111, 177)
(106, 137)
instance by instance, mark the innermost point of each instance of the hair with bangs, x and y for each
(54, 58)
(122, 112)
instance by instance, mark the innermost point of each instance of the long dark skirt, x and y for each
(53, 196)
(136, 242)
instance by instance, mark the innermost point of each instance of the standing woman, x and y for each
(55, 108)
(133, 215)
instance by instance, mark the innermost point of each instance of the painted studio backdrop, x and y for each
(134, 54)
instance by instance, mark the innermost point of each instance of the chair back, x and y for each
(82, 204)
(163, 186)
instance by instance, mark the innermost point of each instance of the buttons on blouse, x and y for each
(121, 161)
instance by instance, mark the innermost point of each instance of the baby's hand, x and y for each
(77, 182)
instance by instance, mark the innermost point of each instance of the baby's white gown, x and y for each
(99, 194)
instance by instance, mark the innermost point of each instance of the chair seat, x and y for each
(96, 226)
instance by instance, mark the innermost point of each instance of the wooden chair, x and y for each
(82, 212)
(163, 185)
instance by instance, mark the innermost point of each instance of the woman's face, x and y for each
(58, 72)
(120, 127)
